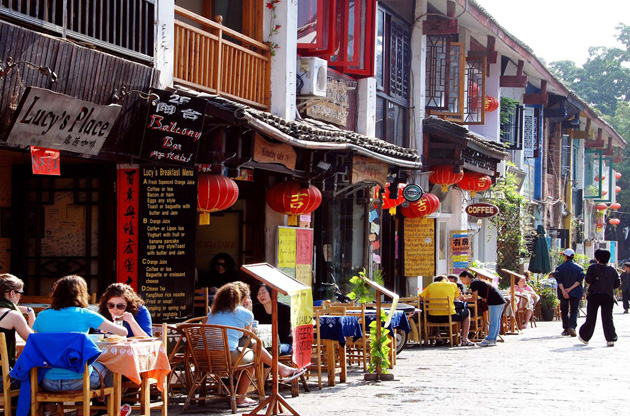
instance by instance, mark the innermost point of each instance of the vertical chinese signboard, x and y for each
(419, 246)
(295, 253)
(459, 251)
(128, 189)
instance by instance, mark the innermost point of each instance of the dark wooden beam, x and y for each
(609, 149)
(448, 26)
(515, 81)
(540, 98)
(587, 134)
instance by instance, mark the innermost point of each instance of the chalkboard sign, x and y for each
(419, 246)
(173, 128)
(168, 213)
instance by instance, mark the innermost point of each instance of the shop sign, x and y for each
(265, 152)
(412, 192)
(173, 128)
(334, 108)
(57, 121)
(482, 210)
(45, 161)
(365, 169)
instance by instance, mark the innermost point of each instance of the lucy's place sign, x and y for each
(57, 121)
(482, 210)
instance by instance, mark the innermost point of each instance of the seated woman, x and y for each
(12, 318)
(232, 307)
(121, 302)
(69, 312)
(262, 313)
(532, 298)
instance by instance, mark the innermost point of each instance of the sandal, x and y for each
(467, 344)
(247, 403)
(296, 374)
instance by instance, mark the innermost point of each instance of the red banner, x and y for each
(45, 161)
(128, 188)
(302, 326)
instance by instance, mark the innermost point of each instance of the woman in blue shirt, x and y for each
(120, 302)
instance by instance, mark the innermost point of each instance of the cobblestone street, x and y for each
(537, 371)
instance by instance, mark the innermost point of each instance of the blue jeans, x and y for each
(77, 384)
(286, 349)
(494, 321)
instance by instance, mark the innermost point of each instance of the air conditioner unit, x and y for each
(314, 74)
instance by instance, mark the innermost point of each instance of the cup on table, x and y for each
(255, 327)
(118, 320)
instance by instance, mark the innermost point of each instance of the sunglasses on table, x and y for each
(119, 306)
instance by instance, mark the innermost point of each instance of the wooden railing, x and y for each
(221, 61)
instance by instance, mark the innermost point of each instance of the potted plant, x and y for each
(548, 302)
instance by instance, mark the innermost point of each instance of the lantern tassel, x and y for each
(473, 193)
(444, 188)
(204, 218)
(392, 211)
(293, 220)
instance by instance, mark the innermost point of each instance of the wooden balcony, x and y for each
(213, 58)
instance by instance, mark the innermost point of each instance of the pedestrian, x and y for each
(569, 277)
(495, 301)
(602, 281)
(625, 286)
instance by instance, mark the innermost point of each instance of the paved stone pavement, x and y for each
(534, 372)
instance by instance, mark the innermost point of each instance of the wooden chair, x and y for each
(477, 322)
(327, 353)
(7, 393)
(84, 397)
(295, 383)
(141, 392)
(201, 302)
(440, 306)
(181, 374)
(417, 323)
(209, 352)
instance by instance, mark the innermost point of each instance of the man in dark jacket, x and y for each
(569, 276)
(602, 280)
(625, 286)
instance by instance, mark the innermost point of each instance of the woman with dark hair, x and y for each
(230, 308)
(495, 302)
(69, 312)
(120, 302)
(12, 318)
(262, 313)
(222, 271)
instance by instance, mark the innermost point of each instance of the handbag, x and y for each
(482, 304)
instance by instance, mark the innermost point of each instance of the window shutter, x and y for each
(530, 132)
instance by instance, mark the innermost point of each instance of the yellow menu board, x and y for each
(295, 253)
(419, 246)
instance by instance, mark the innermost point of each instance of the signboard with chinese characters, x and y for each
(173, 128)
(57, 121)
(295, 253)
(128, 197)
(365, 169)
(166, 243)
(419, 246)
(45, 161)
(459, 252)
(334, 108)
(265, 152)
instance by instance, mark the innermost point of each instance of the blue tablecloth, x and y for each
(399, 321)
(338, 328)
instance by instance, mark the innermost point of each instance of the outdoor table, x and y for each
(138, 361)
(398, 321)
(335, 328)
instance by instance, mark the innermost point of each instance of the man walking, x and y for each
(625, 286)
(569, 277)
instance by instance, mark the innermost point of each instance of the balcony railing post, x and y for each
(220, 63)
(64, 19)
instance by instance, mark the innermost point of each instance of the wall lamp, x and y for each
(42, 69)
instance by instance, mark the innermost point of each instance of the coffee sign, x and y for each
(482, 210)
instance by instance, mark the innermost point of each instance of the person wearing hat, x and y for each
(569, 277)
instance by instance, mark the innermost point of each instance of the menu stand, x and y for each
(279, 282)
(380, 290)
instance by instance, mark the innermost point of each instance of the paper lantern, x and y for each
(214, 193)
(291, 199)
(597, 178)
(604, 193)
(491, 104)
(601, 206)
(614, 222)
(617, 175)
(475, 182)
(426, 205)
(617, 189)
(615, 205)
(443, 175)
(391, 203)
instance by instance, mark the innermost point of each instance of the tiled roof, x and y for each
(433, 124)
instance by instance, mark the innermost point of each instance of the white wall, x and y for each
(164, 42)
(491, 128)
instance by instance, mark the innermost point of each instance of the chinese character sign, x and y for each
(459, 251)
(127, 192)
(45, 161)
(302, 326)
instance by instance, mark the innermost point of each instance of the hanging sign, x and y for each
(45, 161)
(412, 192)
(482, 210)
(128, 203)
(57, 121)
(173, 128)
(459, 252)
(419, 246)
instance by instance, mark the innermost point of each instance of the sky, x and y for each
(559, 30)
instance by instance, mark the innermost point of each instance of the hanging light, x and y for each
(491, 104)
(601, 206)
(291, 199)
(444, 175)
(214, 193)
(614, 222)
(426, 205)
(617, 189)
(475, 182)
(615, 205)
(618, 175)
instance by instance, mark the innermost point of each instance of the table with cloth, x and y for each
(399, 321)
(138, 361)
(334, 329)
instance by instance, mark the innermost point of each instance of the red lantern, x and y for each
(615, 205)
(444, 175)
(597, 178)
(475, 182)
(491, 104)
(291, 199)
(617, 175)
(214, 193)
(617, 189)
(426, 205)
(601, 206)
(604, 193)
(614, 222)
(391, 203)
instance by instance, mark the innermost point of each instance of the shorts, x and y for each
(443, 319)
(248, 357)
